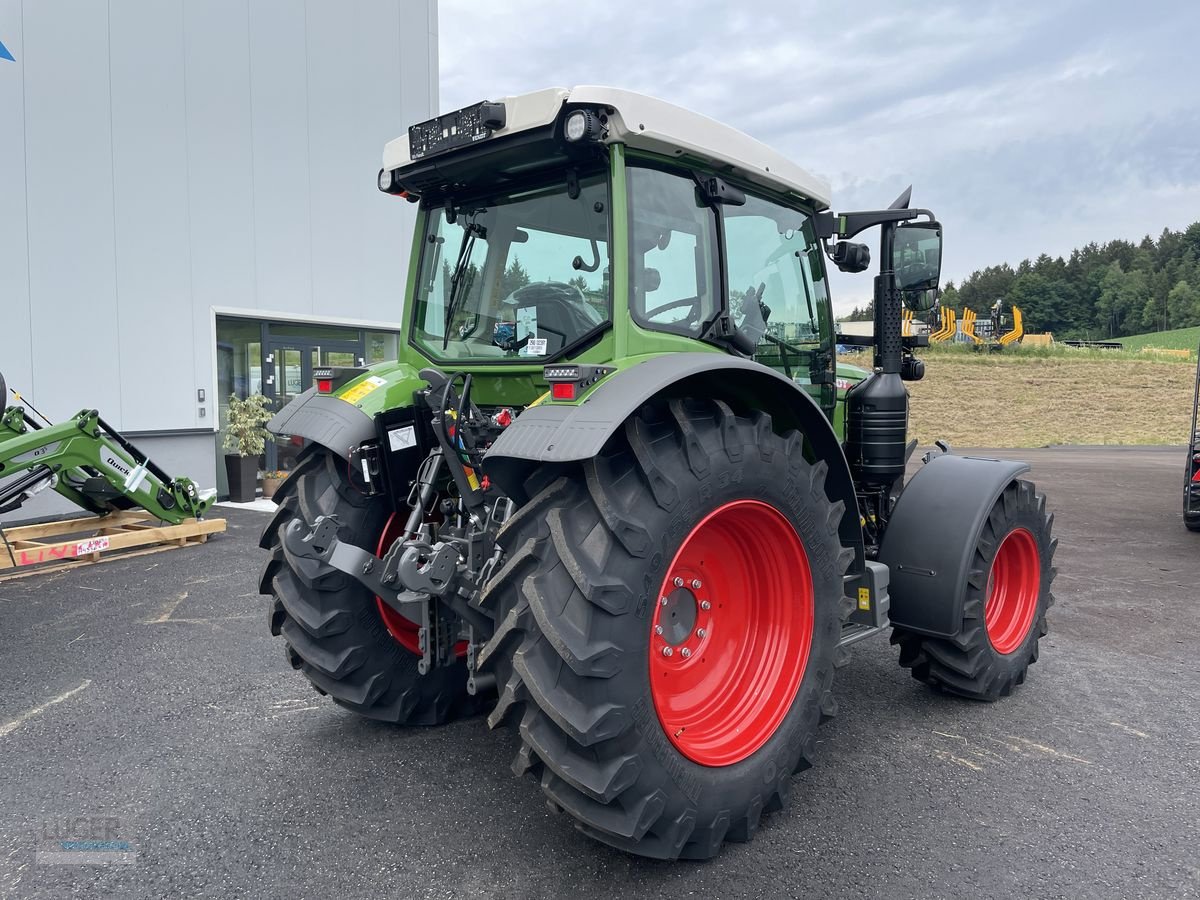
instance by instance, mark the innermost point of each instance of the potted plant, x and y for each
(271, 482)
(246, 438)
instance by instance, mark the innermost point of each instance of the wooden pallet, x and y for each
(51, 546)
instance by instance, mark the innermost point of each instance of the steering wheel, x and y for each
(692, 302)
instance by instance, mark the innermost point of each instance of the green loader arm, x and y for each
(91, 465)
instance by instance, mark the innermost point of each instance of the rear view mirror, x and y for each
(917, 262)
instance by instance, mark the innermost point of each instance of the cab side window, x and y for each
(768, 251)
(775, 281)
(673, 266)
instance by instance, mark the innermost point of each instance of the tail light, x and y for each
(567, 382)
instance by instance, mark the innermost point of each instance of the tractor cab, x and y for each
(594, 224)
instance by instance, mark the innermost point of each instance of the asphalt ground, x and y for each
(145, 706)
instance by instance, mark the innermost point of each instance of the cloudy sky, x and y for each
(1026, 127)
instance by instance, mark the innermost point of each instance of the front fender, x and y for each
(558, 433)
(931, 537)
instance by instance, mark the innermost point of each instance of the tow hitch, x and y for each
(433, 574)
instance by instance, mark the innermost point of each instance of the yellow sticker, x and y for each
(540, 400)
(864, 598)
(360, 390)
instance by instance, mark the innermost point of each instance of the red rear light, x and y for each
(324, 385)
(563, 390)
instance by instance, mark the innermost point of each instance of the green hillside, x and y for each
(1178, 339)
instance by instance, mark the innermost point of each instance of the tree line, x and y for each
(1100, 291)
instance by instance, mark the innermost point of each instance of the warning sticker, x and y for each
(864, 598)
(527, 328)
(402, 438)
(360, 390)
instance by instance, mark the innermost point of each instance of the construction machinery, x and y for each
(623, 506)
(1191, 482)
(967, 327)
(947, 326)
(988, 333)
(88, 462)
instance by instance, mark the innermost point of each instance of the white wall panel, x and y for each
(16, 351)
(279, 109)
(386, 222)
(220, 171)
(159, 158)
(339, 157)
(155, 341)
(69, 168)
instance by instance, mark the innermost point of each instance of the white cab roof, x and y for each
(646, 123)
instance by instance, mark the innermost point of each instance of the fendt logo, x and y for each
(4, 54)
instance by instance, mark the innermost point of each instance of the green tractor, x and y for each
(615, 493)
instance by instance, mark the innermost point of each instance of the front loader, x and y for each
(88, 462)
(614, 492)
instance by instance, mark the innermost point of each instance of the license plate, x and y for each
(456, 129)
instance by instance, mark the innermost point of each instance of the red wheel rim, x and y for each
(731, 633)
(405, 631)
(1014, 583)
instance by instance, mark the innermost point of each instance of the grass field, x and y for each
(1179, 339)
(1015, 399)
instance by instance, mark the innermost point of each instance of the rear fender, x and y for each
(325, 420)
(345, 419)
(931, 537)
(557, 433)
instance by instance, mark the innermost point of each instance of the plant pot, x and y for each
(243, 477)
(271, 485)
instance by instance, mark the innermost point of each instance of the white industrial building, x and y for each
(188, 204)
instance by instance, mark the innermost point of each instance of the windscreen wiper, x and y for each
(457, 277)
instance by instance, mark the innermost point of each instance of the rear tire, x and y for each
(332, 624)
(1004, 613)
(575, 652)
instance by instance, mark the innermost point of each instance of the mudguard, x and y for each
(558, 433)
(931, 535)
(326, 420)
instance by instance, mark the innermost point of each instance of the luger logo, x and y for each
(4, 54)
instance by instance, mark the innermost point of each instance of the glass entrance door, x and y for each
(289, 371)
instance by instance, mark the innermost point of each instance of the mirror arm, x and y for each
(847, 225)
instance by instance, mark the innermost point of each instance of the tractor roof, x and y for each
(646, 123)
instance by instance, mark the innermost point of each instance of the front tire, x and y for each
(1004, 613)
(693, 505)
(335, 629)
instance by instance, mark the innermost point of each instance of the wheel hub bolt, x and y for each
(663, 601)
(678, 581)
(704, 604)
(658, 629)
(685, 652)
(700, 632)
(695, 584)
(667, 651)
